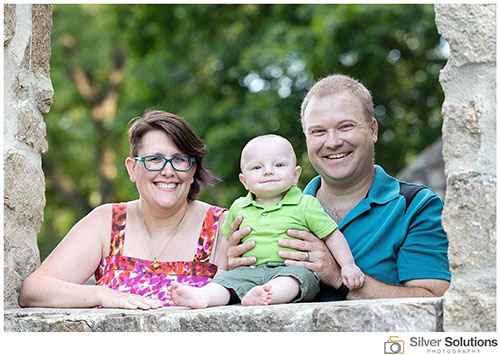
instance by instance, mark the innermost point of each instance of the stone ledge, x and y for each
(409, 314)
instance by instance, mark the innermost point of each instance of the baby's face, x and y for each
(268, 168)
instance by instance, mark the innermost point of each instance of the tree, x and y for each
(233, 72)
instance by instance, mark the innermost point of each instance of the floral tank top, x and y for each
(134, 275)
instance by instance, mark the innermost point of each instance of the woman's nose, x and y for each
(168, 169)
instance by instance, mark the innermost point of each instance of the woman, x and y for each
(137, 248)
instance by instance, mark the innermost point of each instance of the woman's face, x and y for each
(167, 188)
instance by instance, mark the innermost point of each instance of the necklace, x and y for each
(155, 264)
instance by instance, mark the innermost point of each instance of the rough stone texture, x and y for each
(427, 169)
(416, 315)
(9, 21)
(39, 56)
(27, 97)
(470, 29)
(470, 221)
(469, 149)
(470, 303)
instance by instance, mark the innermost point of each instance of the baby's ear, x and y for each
(296, 175)
(243, 181)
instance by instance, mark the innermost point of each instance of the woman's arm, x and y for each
(58, 282)
(221, 246)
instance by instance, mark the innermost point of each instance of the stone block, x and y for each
(402, 315)
(37, 53)
(31, 130)
(469, 118)
(469, 219)
(24, 188)
(416, 314)
(12, 287)
(9, 22)
(24, 201)
(470, 30)
(43, 100)
(470, 303)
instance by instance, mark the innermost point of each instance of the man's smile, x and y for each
(338, 155)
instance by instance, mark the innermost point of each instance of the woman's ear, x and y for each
(193, 169)
(130, 165)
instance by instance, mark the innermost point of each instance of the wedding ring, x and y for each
(307, 256)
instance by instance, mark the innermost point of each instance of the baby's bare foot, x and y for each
(187, 296)
(258, 296)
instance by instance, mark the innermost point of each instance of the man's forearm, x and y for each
(413, 288)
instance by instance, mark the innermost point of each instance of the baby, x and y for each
(273, 205)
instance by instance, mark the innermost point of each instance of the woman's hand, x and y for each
(312, 254)
(115, 299)
(235, 250)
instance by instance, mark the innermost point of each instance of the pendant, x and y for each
(155, 265)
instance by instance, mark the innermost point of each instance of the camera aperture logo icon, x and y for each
(394, 346)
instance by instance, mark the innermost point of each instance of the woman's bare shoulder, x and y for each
(203, 207)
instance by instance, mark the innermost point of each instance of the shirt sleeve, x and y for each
(232, 214)
(318, 221)
(424, 252)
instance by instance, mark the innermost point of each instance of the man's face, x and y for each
(340, 139)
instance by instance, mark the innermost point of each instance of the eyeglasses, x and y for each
(157, 163)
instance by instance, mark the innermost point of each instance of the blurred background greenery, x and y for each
(233, 72)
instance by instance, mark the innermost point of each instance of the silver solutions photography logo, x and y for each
(447, 345)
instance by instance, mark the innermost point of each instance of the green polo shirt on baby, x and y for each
(270, 223)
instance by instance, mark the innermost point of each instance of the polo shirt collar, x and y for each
(384, 188)
(292, 197)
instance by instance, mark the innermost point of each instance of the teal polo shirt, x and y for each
(270, 223)
(391, 240)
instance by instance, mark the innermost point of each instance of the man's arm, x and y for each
(322, 262)
(411, 288)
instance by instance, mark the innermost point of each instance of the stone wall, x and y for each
(27, 97)
(401, 315)
(469, 150)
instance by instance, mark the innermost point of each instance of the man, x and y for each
(393, 228)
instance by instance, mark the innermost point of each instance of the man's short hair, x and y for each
(339, 83)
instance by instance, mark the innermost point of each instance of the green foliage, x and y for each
(233, 72)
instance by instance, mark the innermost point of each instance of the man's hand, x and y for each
(313, 254)
(235, 250)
